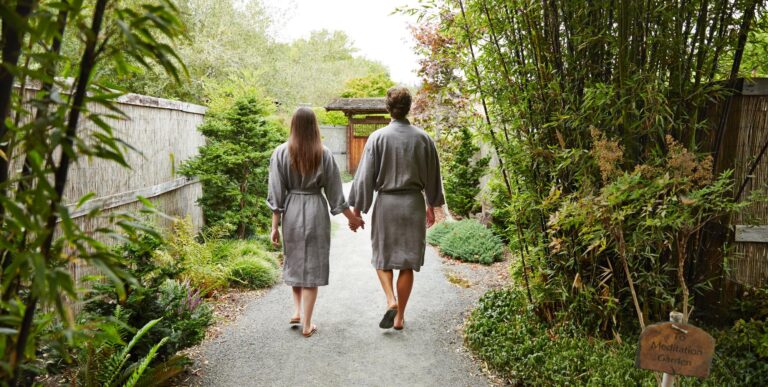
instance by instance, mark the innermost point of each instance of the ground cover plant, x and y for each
(466, 240)
(505, 332)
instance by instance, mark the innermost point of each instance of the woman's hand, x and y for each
(275, 237)
(275, 225)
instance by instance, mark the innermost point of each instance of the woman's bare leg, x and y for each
(404, 287)
(296, 302)
(308, 296)
(386, 277)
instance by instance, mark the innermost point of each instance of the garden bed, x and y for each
(227, 308)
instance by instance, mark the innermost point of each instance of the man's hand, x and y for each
(430, 216)
(355, 223)
(275, 237)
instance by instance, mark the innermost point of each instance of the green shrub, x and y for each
(196, 262)
(505, 332)
(437, 232)
(184, 314)
(208, 277)
(233, 165)
(253, 272)
(216, 264)
(741, 354)
(374, 84)
(462, 175)
(467, 241)
(249, 265)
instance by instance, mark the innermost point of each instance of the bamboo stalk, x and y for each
(60, 176)
(482, 99)
(12, 39)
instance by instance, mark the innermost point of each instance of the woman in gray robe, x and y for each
(300, 171)
(400, 163)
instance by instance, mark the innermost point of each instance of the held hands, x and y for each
(355, 223)
(355, 219)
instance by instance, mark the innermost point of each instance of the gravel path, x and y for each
(260, 349)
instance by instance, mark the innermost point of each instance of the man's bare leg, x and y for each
(386, 277)
(404, 287)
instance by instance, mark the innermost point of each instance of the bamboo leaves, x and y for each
(41, 135)
(545, 73)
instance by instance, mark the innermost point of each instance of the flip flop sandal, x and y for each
(400, 328)
(388, 321)
(295, 321)
(312, 332)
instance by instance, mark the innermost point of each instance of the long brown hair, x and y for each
(304, 145)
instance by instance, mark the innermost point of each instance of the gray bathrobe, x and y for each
(304, 208)
(400, 163)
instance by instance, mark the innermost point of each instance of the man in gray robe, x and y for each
(400, 163)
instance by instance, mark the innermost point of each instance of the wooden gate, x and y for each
(358, 131)
(365, 115)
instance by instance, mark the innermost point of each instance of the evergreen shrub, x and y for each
(462, 175)
(233, 165)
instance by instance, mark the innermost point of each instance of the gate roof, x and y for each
(358, 105)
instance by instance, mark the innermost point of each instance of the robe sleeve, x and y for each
(361, 194)
(278, 190)
(433, 189)
(333, 188)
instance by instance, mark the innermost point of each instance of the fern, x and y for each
(116, 362)
(144, 364)
(161, 374)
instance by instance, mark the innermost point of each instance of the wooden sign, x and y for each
(753, 234)
(676, 349)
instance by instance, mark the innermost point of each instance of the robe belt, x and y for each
(401, 191)
(307, 191)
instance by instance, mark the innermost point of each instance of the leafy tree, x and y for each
(371, 85)
(230, 53)
(313, 70)
(330, 118)
(462, 175)
(755, 60)
(233, 165)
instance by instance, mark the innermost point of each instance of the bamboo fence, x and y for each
(164, 135)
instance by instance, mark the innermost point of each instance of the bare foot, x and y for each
(399, 321)
(310, 332)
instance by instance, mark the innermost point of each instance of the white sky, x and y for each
(376, 33)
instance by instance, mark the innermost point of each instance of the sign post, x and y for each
(675, 348)
(668, 380)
